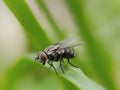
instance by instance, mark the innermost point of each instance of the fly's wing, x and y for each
(60, 45)
(67, 43)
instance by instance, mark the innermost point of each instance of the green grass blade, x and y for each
(35, 32)
(100, 59)
(73, 75)
(68, 85)
(78, 78)
(42, 5)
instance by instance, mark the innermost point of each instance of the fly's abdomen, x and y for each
(68, 53)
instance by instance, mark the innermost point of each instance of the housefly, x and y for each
(57, 52)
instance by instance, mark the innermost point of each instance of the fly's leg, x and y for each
(51, 65)
(71, 63)
(61, 60)
(61, 66)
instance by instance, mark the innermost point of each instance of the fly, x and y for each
(57, 52)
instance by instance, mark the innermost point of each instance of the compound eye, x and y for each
(43, 56)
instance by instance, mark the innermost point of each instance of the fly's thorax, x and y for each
(51, 49)
(52, 56)
(60, 51)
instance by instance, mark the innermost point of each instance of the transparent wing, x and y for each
(66, 43)
(61, 44)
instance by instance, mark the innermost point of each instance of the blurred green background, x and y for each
(28, 26)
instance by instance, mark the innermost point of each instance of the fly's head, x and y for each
(41, 57)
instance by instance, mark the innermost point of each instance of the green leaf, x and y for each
(68, 85)
(76, 78)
